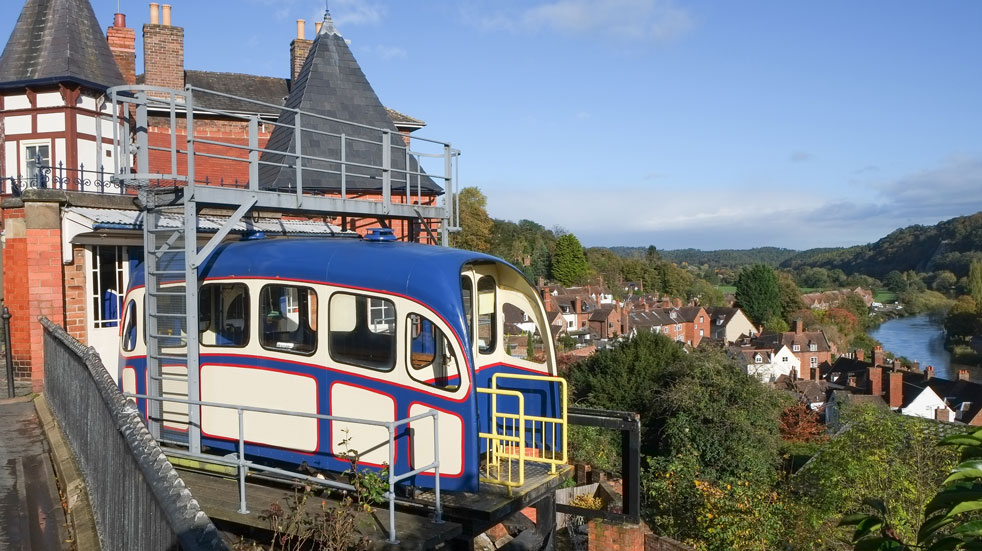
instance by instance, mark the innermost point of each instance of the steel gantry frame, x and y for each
(172, 198)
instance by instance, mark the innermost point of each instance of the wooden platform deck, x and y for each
(219, 498)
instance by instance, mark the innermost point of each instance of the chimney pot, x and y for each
(301, 28)
(929, 372)
(166, 20)
(119, 20)
(154, 13)
(317, 27)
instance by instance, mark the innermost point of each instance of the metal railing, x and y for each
(518, 441)
(352, 156)
(137, 498)
(243, 465)
(64, 178)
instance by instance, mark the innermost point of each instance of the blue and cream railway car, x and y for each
(362, 329)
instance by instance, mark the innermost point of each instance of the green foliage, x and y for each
(790, 296)
(916, 302)
(724, 258)
(476, 225)
(569, 263)
(963, 321)
(707, 294)
(908, 467)
(758, 294)
(526, 244)
(975, 283)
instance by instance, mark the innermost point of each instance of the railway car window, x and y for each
(173, 329)
(224, 314)
(129, 327)
(431, 357)
(288, 317)
(486, 314)
(362, 331)
(520, 323)
(467, 294)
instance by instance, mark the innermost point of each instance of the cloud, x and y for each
(357, 12)
(677, 214)
(652, 20)
(387, 52)
(800, 156)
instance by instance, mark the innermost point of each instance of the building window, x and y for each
(796, 348)
(288, 315)
(813, 347)
(701, 319)
(32, 153)
(719, 321)
(107, 285)
(700, 332)
(784, 359)
(813, 361)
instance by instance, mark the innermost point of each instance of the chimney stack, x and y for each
(861, 354)
(896, 364)
(299, 49)
(875, 381)
(941, 414)
(929, 372)
(122, 43)
(878, 358)
(963, 375)
(896, 389)
(163, 51)
(799, 326)
(317, 27)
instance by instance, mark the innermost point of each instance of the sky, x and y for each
(671, 123)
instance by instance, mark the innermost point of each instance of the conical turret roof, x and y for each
(332, 84)
(58, 41)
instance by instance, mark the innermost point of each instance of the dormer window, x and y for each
(758, 359)
(796, 348)
(719, 321)
(671, 315)
(813, 347)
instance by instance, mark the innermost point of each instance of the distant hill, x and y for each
(948, 245)
(723, 258)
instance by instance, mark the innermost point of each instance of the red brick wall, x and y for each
(611, 536)
(299, 49)
(75, 298)
(163, 56)
(16, 285)
(46, 293)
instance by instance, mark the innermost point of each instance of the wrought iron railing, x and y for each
(62, 177)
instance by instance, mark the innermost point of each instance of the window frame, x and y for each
(495, 314)
(129, 316)
(247, 330)
(395, 331)
(412, 370)
(259, 315)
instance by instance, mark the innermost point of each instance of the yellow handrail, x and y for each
(510, 445)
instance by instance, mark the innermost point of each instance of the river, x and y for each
(920, 338)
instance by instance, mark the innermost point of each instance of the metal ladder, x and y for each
(170, 244)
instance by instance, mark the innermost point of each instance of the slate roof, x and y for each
(332, 84)
(58, 41)
(265, 89)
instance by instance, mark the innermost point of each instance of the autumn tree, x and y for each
(475, 233)
(758, 294)
(569, 263)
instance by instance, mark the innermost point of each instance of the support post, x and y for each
(7, 353)
(254, 153)
(386, 171)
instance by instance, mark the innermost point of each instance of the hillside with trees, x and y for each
(950, 246)
(722, 258)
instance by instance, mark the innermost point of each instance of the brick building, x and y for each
(70, 237)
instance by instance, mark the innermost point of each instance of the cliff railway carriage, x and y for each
(354, 328)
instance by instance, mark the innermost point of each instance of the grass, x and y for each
(727, 289)
(884, 297)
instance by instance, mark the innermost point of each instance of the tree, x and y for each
(757, 293)
(707, 294)
(476, 225)
(790, 296)
(975, 283)
(944, 282)
(896, 282)
(569, 264)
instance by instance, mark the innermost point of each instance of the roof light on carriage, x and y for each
(380, 234)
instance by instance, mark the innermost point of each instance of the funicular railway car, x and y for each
(368, 329)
